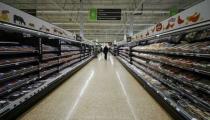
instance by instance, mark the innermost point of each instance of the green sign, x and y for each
(173, 11)
(93, 14)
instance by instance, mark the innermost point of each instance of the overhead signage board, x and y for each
(104, 14)
(173, 11)
(93, 14)
(108, 14)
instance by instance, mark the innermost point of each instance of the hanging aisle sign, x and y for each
(108, 14)
(173, 11)
(93, 14)
(194, 16)
(105, 14)
(17, 17)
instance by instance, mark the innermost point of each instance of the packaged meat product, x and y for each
(139, 60)
(175, 38)
(73, 48)
(204, 65)
(16, 48)
(199, 114)
(189, 76)
(170, 69)
(10, 61)
(183, 62)
(169, 92)
(203, 82)
(49, 56)
(14, 95)
(203, 34)
(190, 37)
(49, 48)
(3, 103)
(155, 64)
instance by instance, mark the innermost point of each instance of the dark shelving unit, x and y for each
(32, 65)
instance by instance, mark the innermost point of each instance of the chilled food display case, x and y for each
(175, 70)
(32, 65)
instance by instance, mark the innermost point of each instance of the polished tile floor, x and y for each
(102, 90)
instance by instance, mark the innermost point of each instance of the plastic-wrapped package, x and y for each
(203, 34)
(69, 48)
(3, 103)
(49, 48)
(9, 61)
(190, 37)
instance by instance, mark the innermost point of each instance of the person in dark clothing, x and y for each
(105, 52)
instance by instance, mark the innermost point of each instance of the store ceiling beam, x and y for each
(104, 24)
(94, 29)
(137, 8)
(86, 12)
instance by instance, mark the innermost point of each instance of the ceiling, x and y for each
(69, 14)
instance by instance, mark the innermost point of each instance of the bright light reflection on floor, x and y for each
(111, 59)
(80, 95)
(127, 98)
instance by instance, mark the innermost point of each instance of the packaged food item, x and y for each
(14, 95)
(48, 48)
(202, 65)
(16, 48)
(3, 103)
(190, 37)
(49, 56)
(188, 76)
(170, 69)
(188, 63)
(202, 35)
(176, 39)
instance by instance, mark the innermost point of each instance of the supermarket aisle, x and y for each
(102, 90)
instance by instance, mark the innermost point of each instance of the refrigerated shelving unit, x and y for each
(175, 73)
(173, 65)
(33, 63)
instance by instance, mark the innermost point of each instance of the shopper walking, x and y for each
(105, 52)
